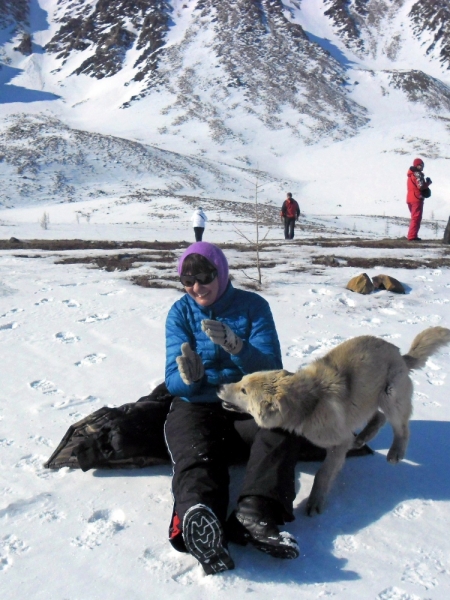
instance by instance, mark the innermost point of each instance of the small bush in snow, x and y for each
(45, 220)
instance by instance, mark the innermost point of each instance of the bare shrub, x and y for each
(44, 221)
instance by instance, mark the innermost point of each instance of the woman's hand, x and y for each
(221, 334)
(190, 365)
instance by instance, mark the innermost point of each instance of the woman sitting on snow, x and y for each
(215, 334)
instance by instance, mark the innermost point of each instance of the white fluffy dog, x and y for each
(336, 395)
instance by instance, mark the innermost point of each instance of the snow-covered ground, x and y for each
(74, 338)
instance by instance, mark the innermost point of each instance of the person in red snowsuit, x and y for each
(416, 186)
(290, 212)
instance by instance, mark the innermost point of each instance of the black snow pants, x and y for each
(204, 438)
(289, 224)
(198, 233)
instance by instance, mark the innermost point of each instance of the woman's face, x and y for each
(204, 294)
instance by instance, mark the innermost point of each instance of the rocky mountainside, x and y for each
(360, 24)
(237, 81)
(255, 54)
(14, 12)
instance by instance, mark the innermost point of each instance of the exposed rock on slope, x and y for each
(109, 28)
(13, 12)
(420, 87)
(347, 20)
(259, 60)
(433, 17)
(361, 25)
(358, 22)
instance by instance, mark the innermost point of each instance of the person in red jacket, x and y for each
(417, 187)
(290, 212)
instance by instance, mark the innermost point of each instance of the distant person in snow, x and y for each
(418, 189)
(290, 212)
(199, 221)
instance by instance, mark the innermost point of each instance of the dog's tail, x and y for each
(425, 345)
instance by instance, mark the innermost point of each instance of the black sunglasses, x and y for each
(203, 278)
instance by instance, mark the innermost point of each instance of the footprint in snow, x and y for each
(102, 524)
(424, 399)
(49, 516)
(395, 593)
(11, 312)
(346, 301)
(372, 323)
(7, 326)
(419, 574)
(408, 511)
(66, 337)
(321, 292)
(71, 303)
(151, 560)
(41, 441)
(45, 387)
(435, 379)
(91, 359)
(5, 442)
(346, 543)
(33, 463)
(95, 318)
(43, 301)
(10, 545)
(112, 293)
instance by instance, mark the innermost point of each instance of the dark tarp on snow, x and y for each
(132, 435)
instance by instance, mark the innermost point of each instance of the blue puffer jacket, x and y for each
(248, 315)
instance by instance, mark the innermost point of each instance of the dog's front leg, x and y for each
(325, 476)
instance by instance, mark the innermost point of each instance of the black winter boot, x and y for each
(204, 538)
(255, 522)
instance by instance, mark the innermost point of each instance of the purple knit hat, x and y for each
(215, 256)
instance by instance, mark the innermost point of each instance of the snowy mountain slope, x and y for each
(375, 27)
(42, 160)
(274, 85)
(257, 58)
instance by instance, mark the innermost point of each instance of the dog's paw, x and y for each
(395, 455)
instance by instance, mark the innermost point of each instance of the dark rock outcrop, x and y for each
(109, 30)
(433, 17)
(420, 87)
